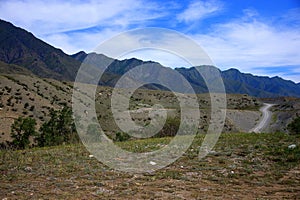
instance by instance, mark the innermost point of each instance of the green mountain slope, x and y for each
(22, 52)
(22, 48)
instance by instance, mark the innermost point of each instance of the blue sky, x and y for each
(255, 36)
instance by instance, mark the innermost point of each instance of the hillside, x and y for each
(19, 47)
(6, 68)
(31, 96)
(259, 86)
(240, 83)
(285, 110)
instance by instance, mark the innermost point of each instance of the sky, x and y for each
(261, 37)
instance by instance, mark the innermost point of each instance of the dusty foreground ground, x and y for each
(242, 166)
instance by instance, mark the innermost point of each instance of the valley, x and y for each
(31, 96)
(257, 155)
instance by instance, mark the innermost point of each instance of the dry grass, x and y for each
(242, 166)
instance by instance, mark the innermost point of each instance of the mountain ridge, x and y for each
(21, 49)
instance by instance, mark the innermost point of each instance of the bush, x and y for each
(294, 126)
(60, 129)
(26, 105)
(21, 131)
(93, 133)
(121, 136)
(170, 128)
(31, 108)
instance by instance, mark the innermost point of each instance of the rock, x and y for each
(152, 163)
(28, 169)
(292, 146)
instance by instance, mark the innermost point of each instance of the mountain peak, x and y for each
(232, 70)
(79, 53)
(80, 56)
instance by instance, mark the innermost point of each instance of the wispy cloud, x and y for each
(291, 72)
(170, 47)
(247, 44)
(80, 40)
(79, 25)
(250, 41)
(199, 10)
(46, 17)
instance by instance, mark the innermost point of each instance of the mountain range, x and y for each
(21, 52)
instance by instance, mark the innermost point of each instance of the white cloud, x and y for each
(168, 47)
(63, 23)
(46, 17)
(247, 45)
(80, 41)
(198, 10)
(163, 57)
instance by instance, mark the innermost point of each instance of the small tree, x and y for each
(26, 105)
(59, 129)
(31, 108)
(93, 133)
(170, 128)
(121, 136)
(21, 131)
(294, 126)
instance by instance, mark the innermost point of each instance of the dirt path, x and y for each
(265, 118)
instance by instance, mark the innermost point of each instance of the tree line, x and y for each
(59, 129)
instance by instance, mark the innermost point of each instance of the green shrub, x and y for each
(21, 131)
(60, 129)
(93, 133)
(294, 126)
(121, 136)
(31, 108)
(170, 128)
(26, 105)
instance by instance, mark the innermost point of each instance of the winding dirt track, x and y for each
(265, 118)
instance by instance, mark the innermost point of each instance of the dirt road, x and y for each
(265, 118)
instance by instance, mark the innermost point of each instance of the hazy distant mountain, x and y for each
(240, 83)
(114, 69)
(260, 86)
(113, 66)
(235, 82)
(22, 52)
